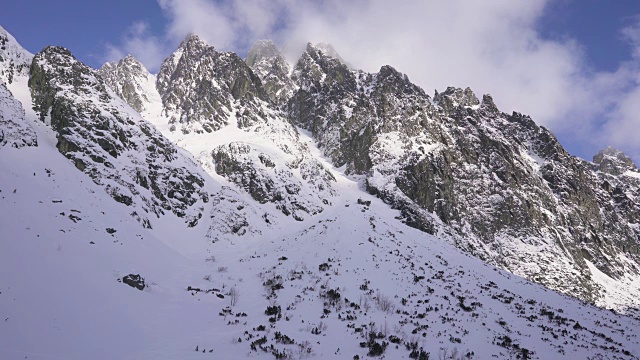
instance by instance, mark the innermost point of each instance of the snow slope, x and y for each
(60, 296)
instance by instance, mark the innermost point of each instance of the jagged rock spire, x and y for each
(262, 49)
(130, 80)
(199, 85)
(267, 62)
(613, 161)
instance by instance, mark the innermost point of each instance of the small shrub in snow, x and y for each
(375, 348)
(273, 310)
(383, 302)
(234, 294)
(258, 343)
(283, 339)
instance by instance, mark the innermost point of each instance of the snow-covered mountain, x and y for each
(251, 209)
(129, 79)
(496, 185)
(211, 104)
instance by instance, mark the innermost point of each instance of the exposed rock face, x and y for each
(14, 68)
(327, 105)
(198, 86)
(130, 80)
(267, 180)
(613, 161)
(118, 149)
(135, 281)
(269, 65)
(14, 131)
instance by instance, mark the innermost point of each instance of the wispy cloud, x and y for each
(621, 125)
(141, 43)
(492, 46)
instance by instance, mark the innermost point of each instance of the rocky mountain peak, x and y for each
(320, 65)
(266, 61)
(390, 80)
(613, 161)
(108, 141)
(191, 47)
(109, 65)
(387, 71)
(130, 80)
(193, 42)
(131, 59)
(262, 49)
(129, 65)
(54, 70)
(326, 49)
(132, 63)
(56, 51)
(454, 97)
(199, 85)
(323, 52)
(60, 59)
(487, 102)
(10, 48)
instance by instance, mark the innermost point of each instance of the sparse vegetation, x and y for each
(383, 302)
(375, 348)
(234, 295)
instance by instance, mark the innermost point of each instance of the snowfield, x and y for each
(352, 270)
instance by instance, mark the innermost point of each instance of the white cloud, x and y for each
(491, 46)
(621, 126)
(632, 34)
(143, 45)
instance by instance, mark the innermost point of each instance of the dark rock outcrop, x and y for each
(14, 131)
(135, 281)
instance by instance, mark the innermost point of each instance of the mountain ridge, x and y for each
(324, 94)
(301, 208)
(326, 89)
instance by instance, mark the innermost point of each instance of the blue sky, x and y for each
(573, 65)
(594, 23)
(86, 27)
